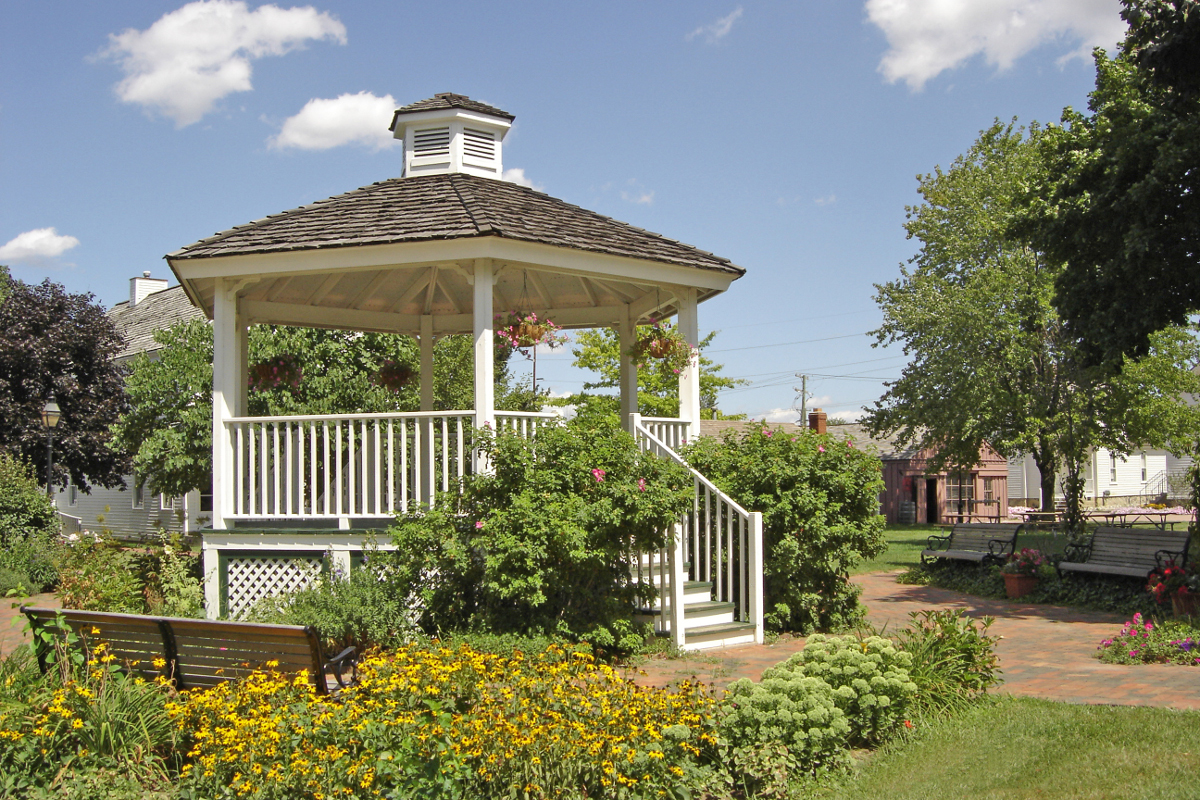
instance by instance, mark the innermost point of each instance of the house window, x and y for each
(1112, 468)
(139, 492)
(206, 500)
(166, 502)
(72, 495)
(1143, 467)
(960, 492)
(989, 489)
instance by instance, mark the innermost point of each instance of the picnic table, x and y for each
(1128, 519)
(1042, 519)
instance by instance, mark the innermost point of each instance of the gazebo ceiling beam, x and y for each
(370, 289)
(539, 286)
(589, 290)
(449, 295)
(617, 290)
(325, 288)
(653, 301)
(278, 289)
(431, 289)
(414, 289)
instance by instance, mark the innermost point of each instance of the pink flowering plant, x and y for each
(1144, 642)
(1173, 581)
(394, 375)
(1027, 562)
(523, 330)
(282, 371)
(662, 341)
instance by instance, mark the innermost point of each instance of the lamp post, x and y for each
(51, 414)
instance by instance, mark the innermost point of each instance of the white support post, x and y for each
(756, 574)
(426, 456)
(485, 376)
(212, 579)
(689, 379)
(626, 335)
(675, 586)
(229, 391)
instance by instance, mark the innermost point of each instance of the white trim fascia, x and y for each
(544, 257)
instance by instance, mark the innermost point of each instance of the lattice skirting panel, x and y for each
(247, 577)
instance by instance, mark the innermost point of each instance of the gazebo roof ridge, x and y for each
(444, 100)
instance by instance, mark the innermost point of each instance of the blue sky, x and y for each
(785, 136)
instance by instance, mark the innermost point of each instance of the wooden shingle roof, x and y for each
(450, 100)
(155, 312)
(454, 206)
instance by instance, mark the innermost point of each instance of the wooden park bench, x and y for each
(1134, 552)
(981, 542)
(194, 653)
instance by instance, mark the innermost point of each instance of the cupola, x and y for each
(451, 133)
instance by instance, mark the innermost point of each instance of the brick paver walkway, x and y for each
(1046, 651)
(12, 622)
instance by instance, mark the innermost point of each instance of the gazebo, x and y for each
(440, 250)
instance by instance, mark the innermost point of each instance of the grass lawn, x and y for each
(1023, 748)
(905, 543)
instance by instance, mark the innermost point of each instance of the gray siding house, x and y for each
(134, 510)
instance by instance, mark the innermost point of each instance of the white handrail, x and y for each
(719, 541)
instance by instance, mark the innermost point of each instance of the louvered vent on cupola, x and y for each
(431, 142)
(452, 133)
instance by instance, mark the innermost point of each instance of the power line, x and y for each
(786, 344)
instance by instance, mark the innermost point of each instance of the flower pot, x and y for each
(1019, 585)
(660, 348)
(1186, 605)
(530, 333)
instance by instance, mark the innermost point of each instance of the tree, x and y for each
(990, 360)
(658, 387)
(169, 426)
(1120, 205)
(60, 343)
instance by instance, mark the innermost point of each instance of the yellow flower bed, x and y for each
(455, 723)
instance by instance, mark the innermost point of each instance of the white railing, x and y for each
(718, 542)
(342, 466)
(668, 430)
(524, 423)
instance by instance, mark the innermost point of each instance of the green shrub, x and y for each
(953, 660)
(1143, 642)
(100, 576)
(364, 609)
(34, 558)
(14, 584)
(869, 678)
(541, 546)
(25, 511)
(792, 709)
(819, 496)
(172, 579)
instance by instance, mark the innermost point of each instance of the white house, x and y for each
(1111, 479)
(133, 510)
(442, 250)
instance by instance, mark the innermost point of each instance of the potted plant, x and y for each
(525, 330)
(282, 370)
(1180, 584)
(663, 342)
(393, 375)
(1021, 572)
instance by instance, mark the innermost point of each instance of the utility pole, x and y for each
(803, 390)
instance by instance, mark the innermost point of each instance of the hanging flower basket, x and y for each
(524, 330)
(394, 375)
(664, 343)
(275, 373)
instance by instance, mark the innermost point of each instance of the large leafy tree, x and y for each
(169, 426)
(1121, 203)
(658, 387)
(52, 341)
(990, 359)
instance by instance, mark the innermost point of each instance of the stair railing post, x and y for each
(756, 574)
(675, 587)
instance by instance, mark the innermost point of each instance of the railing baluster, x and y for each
(404, 474)
(239, 470)
(445, 454)
(418, 457)
(338, 464)
(273, 463)
(391, 473)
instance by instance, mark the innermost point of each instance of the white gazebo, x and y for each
(441, 250)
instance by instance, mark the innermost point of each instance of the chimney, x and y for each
(816, 420)
(139, 288)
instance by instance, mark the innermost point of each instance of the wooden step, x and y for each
(727, 634)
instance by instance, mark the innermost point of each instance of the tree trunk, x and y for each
(1046, 469)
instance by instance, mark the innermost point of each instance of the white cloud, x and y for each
(927, 37)
(517, 175)
(779, 415)
(322, 124)
(716, 31)
(848, 416)
(37, 246)
(827, 200)
(637, 193)
(195, 55)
